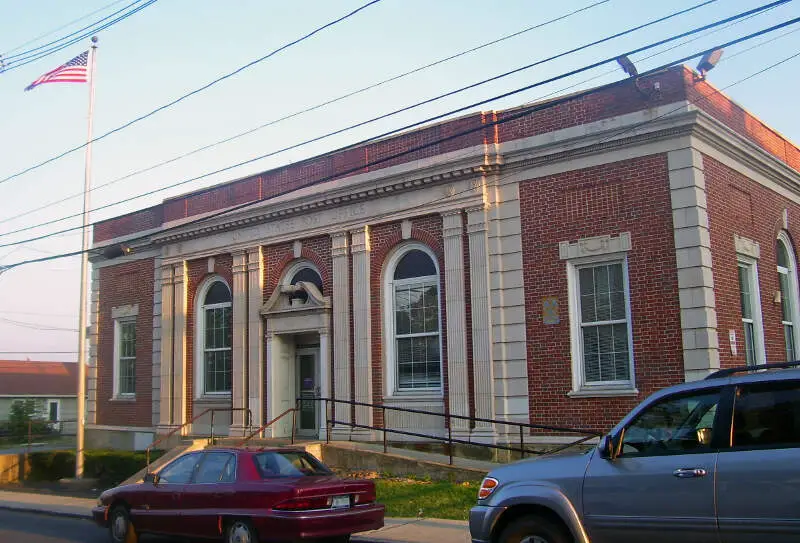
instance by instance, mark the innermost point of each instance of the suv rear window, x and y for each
(288, 464)
(767, 415)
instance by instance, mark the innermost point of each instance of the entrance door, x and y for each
(308, 387)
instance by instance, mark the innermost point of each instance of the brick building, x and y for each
(553, 263)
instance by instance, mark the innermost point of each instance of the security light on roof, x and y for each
(626, 64)
(708, 61)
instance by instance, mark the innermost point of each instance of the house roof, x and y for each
(32, 378)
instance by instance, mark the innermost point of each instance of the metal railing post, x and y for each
(521, 443)
(383, 409)
(449, 437)
(294, 417)
(211, 439)
(327, 422)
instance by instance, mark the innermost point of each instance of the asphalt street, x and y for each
(36, 528)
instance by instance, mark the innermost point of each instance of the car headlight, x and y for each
(488, 485)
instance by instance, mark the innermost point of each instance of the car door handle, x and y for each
(687, 473)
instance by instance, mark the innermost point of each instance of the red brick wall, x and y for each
(628, 196)
(124, 284)
(739, 205)
(383, 238)
(196, 272)
(278, 257)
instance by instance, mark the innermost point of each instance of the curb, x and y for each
(39, 511)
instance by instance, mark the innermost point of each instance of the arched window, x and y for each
(306, 272)
(413, 320)
(215, 337)
(787, 278)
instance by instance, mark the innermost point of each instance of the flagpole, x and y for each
(87, 184)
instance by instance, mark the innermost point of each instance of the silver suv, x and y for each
(714, 461)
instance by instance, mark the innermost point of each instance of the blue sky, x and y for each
(175, 46)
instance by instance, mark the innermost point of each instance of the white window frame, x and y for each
(751, 264)
(58, 410)
(791, 273)
(118, 323)
(579, 385)
(200, 334)
(389, 343)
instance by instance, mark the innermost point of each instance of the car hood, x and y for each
(549, 468)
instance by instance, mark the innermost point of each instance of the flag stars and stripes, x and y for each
(74, 71)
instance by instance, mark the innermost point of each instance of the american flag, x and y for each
(73, 71)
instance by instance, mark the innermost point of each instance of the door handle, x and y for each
(688, 473)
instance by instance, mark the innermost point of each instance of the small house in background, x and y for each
(52, 387)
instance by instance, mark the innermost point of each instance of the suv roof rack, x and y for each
(743, 369)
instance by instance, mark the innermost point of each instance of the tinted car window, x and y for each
(674, 425)
(767, 415)
(180, 470)
(288, 464)
(217, 467)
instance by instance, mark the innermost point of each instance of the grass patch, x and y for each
(437, 499)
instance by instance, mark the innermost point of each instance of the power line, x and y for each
(521, 113)
(327, 103)
(196, 91)
(31, 55)
(401, 110)
(66, 25)
(38, 352)
(34, 326)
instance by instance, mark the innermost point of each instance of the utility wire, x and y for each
(395, 112)
(521, 113)
(34, 326)
(326, 103)
(196, 91)
(42, 50)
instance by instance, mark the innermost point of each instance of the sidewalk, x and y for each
(395, 531)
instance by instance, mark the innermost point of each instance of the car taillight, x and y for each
(304, 504)
(364, 497)
(487, 487)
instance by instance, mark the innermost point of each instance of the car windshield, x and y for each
(288, 464)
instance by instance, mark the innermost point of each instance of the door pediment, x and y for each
(287, 300)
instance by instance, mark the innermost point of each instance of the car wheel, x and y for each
(240, 531)
(533, 529)
(120, 527)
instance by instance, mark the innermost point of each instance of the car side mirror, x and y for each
(609, 446)
(151, 478)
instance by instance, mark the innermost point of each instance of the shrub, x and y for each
(110, 467)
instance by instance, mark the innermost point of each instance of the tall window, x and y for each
(603, 310)
(787, 278)
(125, 357)
(751, 312)
(216, 332)
(414, 323)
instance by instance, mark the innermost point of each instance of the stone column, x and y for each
(456, 319)
(341, 330)
(179, 392)
(239, 394)
(255, 358)
(165, 421)
(481, 324)
(362, 368)
(324, 381)
(155, 375)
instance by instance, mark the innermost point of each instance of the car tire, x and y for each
(534, 529)
(240, 531)
(120, 527)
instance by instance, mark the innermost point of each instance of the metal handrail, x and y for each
(591, 434)
(268, 424)
(211, 410)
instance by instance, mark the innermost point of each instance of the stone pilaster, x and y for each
(156, 366)
(166, 421)
(693, 255)
(456, 318)
(324, 381)
(269, 355)
(362, 367)
(255, 358)
(91, 369)
(239, 393)
(179, 393)
(341, 329)
(481, 324)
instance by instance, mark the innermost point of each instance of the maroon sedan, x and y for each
(241, 495)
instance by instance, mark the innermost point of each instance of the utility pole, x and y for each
(87, 184)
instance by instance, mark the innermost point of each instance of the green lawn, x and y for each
(405, 497)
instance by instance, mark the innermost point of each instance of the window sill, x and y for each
(603, 392)
(410, 395)
(224, 397)
(124, 398)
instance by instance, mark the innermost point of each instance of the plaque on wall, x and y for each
(550, 313)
